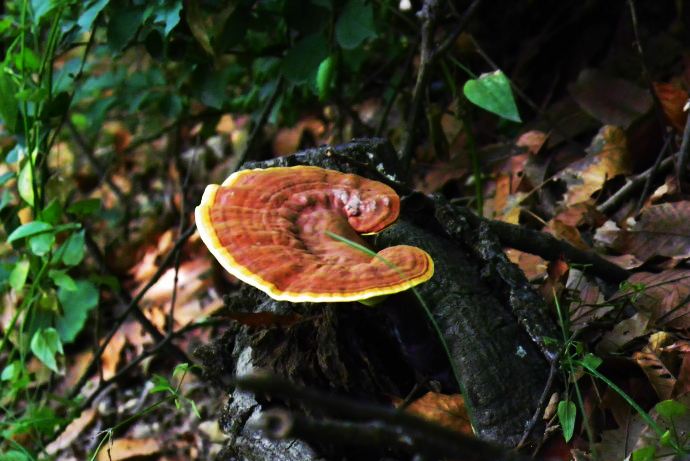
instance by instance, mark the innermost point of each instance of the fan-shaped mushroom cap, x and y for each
(268, 227)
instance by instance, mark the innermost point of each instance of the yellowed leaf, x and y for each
(446, 410)
(607, 157)
(125, 448)
(71, 432)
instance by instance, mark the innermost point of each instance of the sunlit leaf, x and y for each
(46, 344)
(29, 229)
(492, 92)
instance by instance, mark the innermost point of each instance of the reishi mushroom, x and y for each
(270, 228)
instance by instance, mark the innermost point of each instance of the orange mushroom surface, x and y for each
(269, 228)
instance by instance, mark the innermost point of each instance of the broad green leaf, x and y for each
(90, 14)
(169, 15)
(76, 305)
(302, 61)
(41, 8)
(62, 280)
(14, 455)
(591, 361)
(492, 92)
(324, 77)
(52, 212)
(355, 24)
(19, 274)
(644, 454)
(45, 345)
(29, 229)
(41, 244)
(123, 25)
(8, 101)
(11, 372)
(85, 207)
(567, 413)
(671, 409)
(25, 184)
(73, 252)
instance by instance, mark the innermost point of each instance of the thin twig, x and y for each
(624, 193)
(653, 170)
(428, 55)
(545, 396)
(259, 126)
(684, 154)
(133, 308)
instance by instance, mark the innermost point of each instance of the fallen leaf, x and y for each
(533, 140)
(589, 305)
(532, 265)
(112, 353)
(672, 99)
(683, 379)
(446, 410)
(71, 432)
(662, 230)
(125, 448)
(663, 296)
(607, 157)
(610, 100)
(622, 333)
(566, 232)
(659, 376)
(288, 140)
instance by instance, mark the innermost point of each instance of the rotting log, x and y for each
(491, 320)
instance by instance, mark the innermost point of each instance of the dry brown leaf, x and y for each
(622, 333)
(112, 353)
(607, 157)
(125, 448)
(533, 140)
(288, 140)
(71, 432)
(441, 173)
(663, 230)
(659, 376)
(532, 265)
(672, 99)
(683, 380)
(445, 410)
(664, 296)
(566, 232)
(589, 305)
(610, 100)
(557, 276)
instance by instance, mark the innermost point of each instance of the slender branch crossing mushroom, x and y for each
(269, 228)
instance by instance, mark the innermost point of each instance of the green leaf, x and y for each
(85, 207)
(8, 101)
(355, 24)
(161, 384)
(45, 345)
(666, 439)
(41, 8)
(62, 280)
(19, 274)
(76, 305)
(11, 372)
(671, 409)
(29, 229)
(73, 252)
(90, 14)
(25, 184)
(14, 455)
(51, 213)
(492, 92)
(644, 454)
(566, 416)
(169, 14)
(302, 61)
(324, 77)
(123, 25)
(41, 244)
(591, 361)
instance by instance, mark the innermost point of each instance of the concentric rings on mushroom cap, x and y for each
(268, 227)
